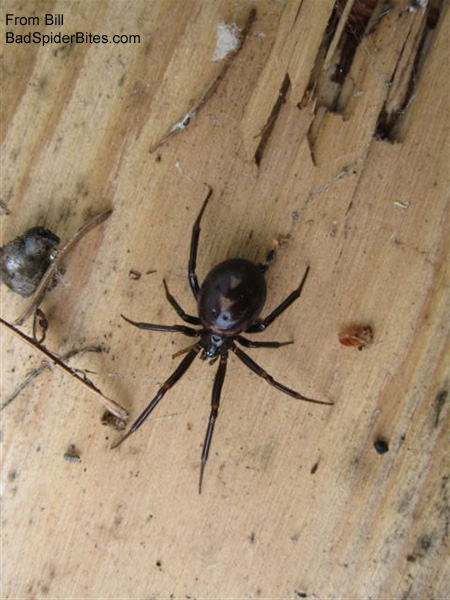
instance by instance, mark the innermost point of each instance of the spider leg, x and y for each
(251, 344)
(215, 401)
(176, 375)
(264, 323)
(250, 363)
(152, 327)
(184, 350)
(180, 312)
(193, 281)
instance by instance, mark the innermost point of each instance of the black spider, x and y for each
(229, 301)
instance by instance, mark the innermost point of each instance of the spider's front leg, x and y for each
(193, 281)
(189, 331)
(180, 312)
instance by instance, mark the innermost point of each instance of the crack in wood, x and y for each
(349, 23)
(269, 126)
(320, 63)
(298, 12)
(385, 10)
(323, 188)
(402, 90)
(353, 34)
(347, 26)
(320, 74)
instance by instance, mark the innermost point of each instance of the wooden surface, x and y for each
(296, 501)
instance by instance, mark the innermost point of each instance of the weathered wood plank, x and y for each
(346, 171)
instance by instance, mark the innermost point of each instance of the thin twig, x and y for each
(39, 294)
(44, 366)
(193, 111)
(108, 403)
(35, 373)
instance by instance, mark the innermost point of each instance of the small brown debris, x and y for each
(359, 336)
(439, 402)
(333, 229)
(110, 420)
(134, 275)
(282, 241)
(314, 467)
(40, 326)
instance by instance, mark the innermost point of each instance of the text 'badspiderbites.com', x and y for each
(37, 37)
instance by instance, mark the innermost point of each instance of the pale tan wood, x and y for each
(296, 500)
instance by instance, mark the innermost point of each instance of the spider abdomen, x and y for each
(232, 296)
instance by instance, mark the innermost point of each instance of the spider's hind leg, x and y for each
(263, 324)
(251, 344)
(169, 383)
(215, 401)
(253, 366)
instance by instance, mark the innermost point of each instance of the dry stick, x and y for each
(108, 403)
(39, 294)
(195, 109)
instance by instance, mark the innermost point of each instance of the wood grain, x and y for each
(347, 171)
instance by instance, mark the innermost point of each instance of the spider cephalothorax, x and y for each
(213, 345)
(229, 302)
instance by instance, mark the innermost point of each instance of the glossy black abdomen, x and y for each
(232, 296)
